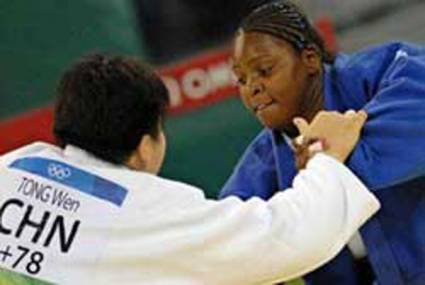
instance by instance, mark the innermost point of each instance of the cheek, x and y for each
(163, 149)
(286, 90)
(160, 152)
(243, 94)
(279, 90)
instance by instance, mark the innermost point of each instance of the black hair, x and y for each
(106, 104)
(285, 20)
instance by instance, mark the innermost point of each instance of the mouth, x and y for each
(261, 107)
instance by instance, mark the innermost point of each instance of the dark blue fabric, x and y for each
(387, 81)
(72, 177)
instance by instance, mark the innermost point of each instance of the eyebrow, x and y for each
(233, 64)
(259, 57)
(254, 59)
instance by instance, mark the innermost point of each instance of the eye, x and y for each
(239, 79)
(265, 71)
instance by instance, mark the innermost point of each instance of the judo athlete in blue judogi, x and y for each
(283, 71)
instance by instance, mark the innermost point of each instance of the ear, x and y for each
(141, 155)
(311, 60)
(145, 147)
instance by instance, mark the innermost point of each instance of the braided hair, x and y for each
(285, 20)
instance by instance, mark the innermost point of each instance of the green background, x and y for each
(40, 38)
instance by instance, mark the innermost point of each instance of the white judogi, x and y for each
(356, 244)
(143, 229)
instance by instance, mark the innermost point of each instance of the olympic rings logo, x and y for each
(58, 171)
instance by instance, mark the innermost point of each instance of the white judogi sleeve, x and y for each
(183, 238)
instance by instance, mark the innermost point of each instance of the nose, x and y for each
(256, 88)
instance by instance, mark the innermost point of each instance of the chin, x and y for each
(275, 118)
(287, 128)
(271, 125)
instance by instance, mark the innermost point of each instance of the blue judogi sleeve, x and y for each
(389, 82)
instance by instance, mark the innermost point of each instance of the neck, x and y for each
(313, 100)
(312, 103)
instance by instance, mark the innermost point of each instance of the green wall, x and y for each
(40, 38)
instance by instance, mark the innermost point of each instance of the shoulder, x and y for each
(28, 150)
(136, 179)
(365, 58)
(142, 182)
(375, 57)
(357, 77)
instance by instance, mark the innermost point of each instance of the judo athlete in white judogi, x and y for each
(94, 211)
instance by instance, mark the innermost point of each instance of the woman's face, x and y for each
(272, 78)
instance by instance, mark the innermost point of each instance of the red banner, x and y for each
(200, 81)
(29, 127)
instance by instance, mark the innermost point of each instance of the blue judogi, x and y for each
(389, 83)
